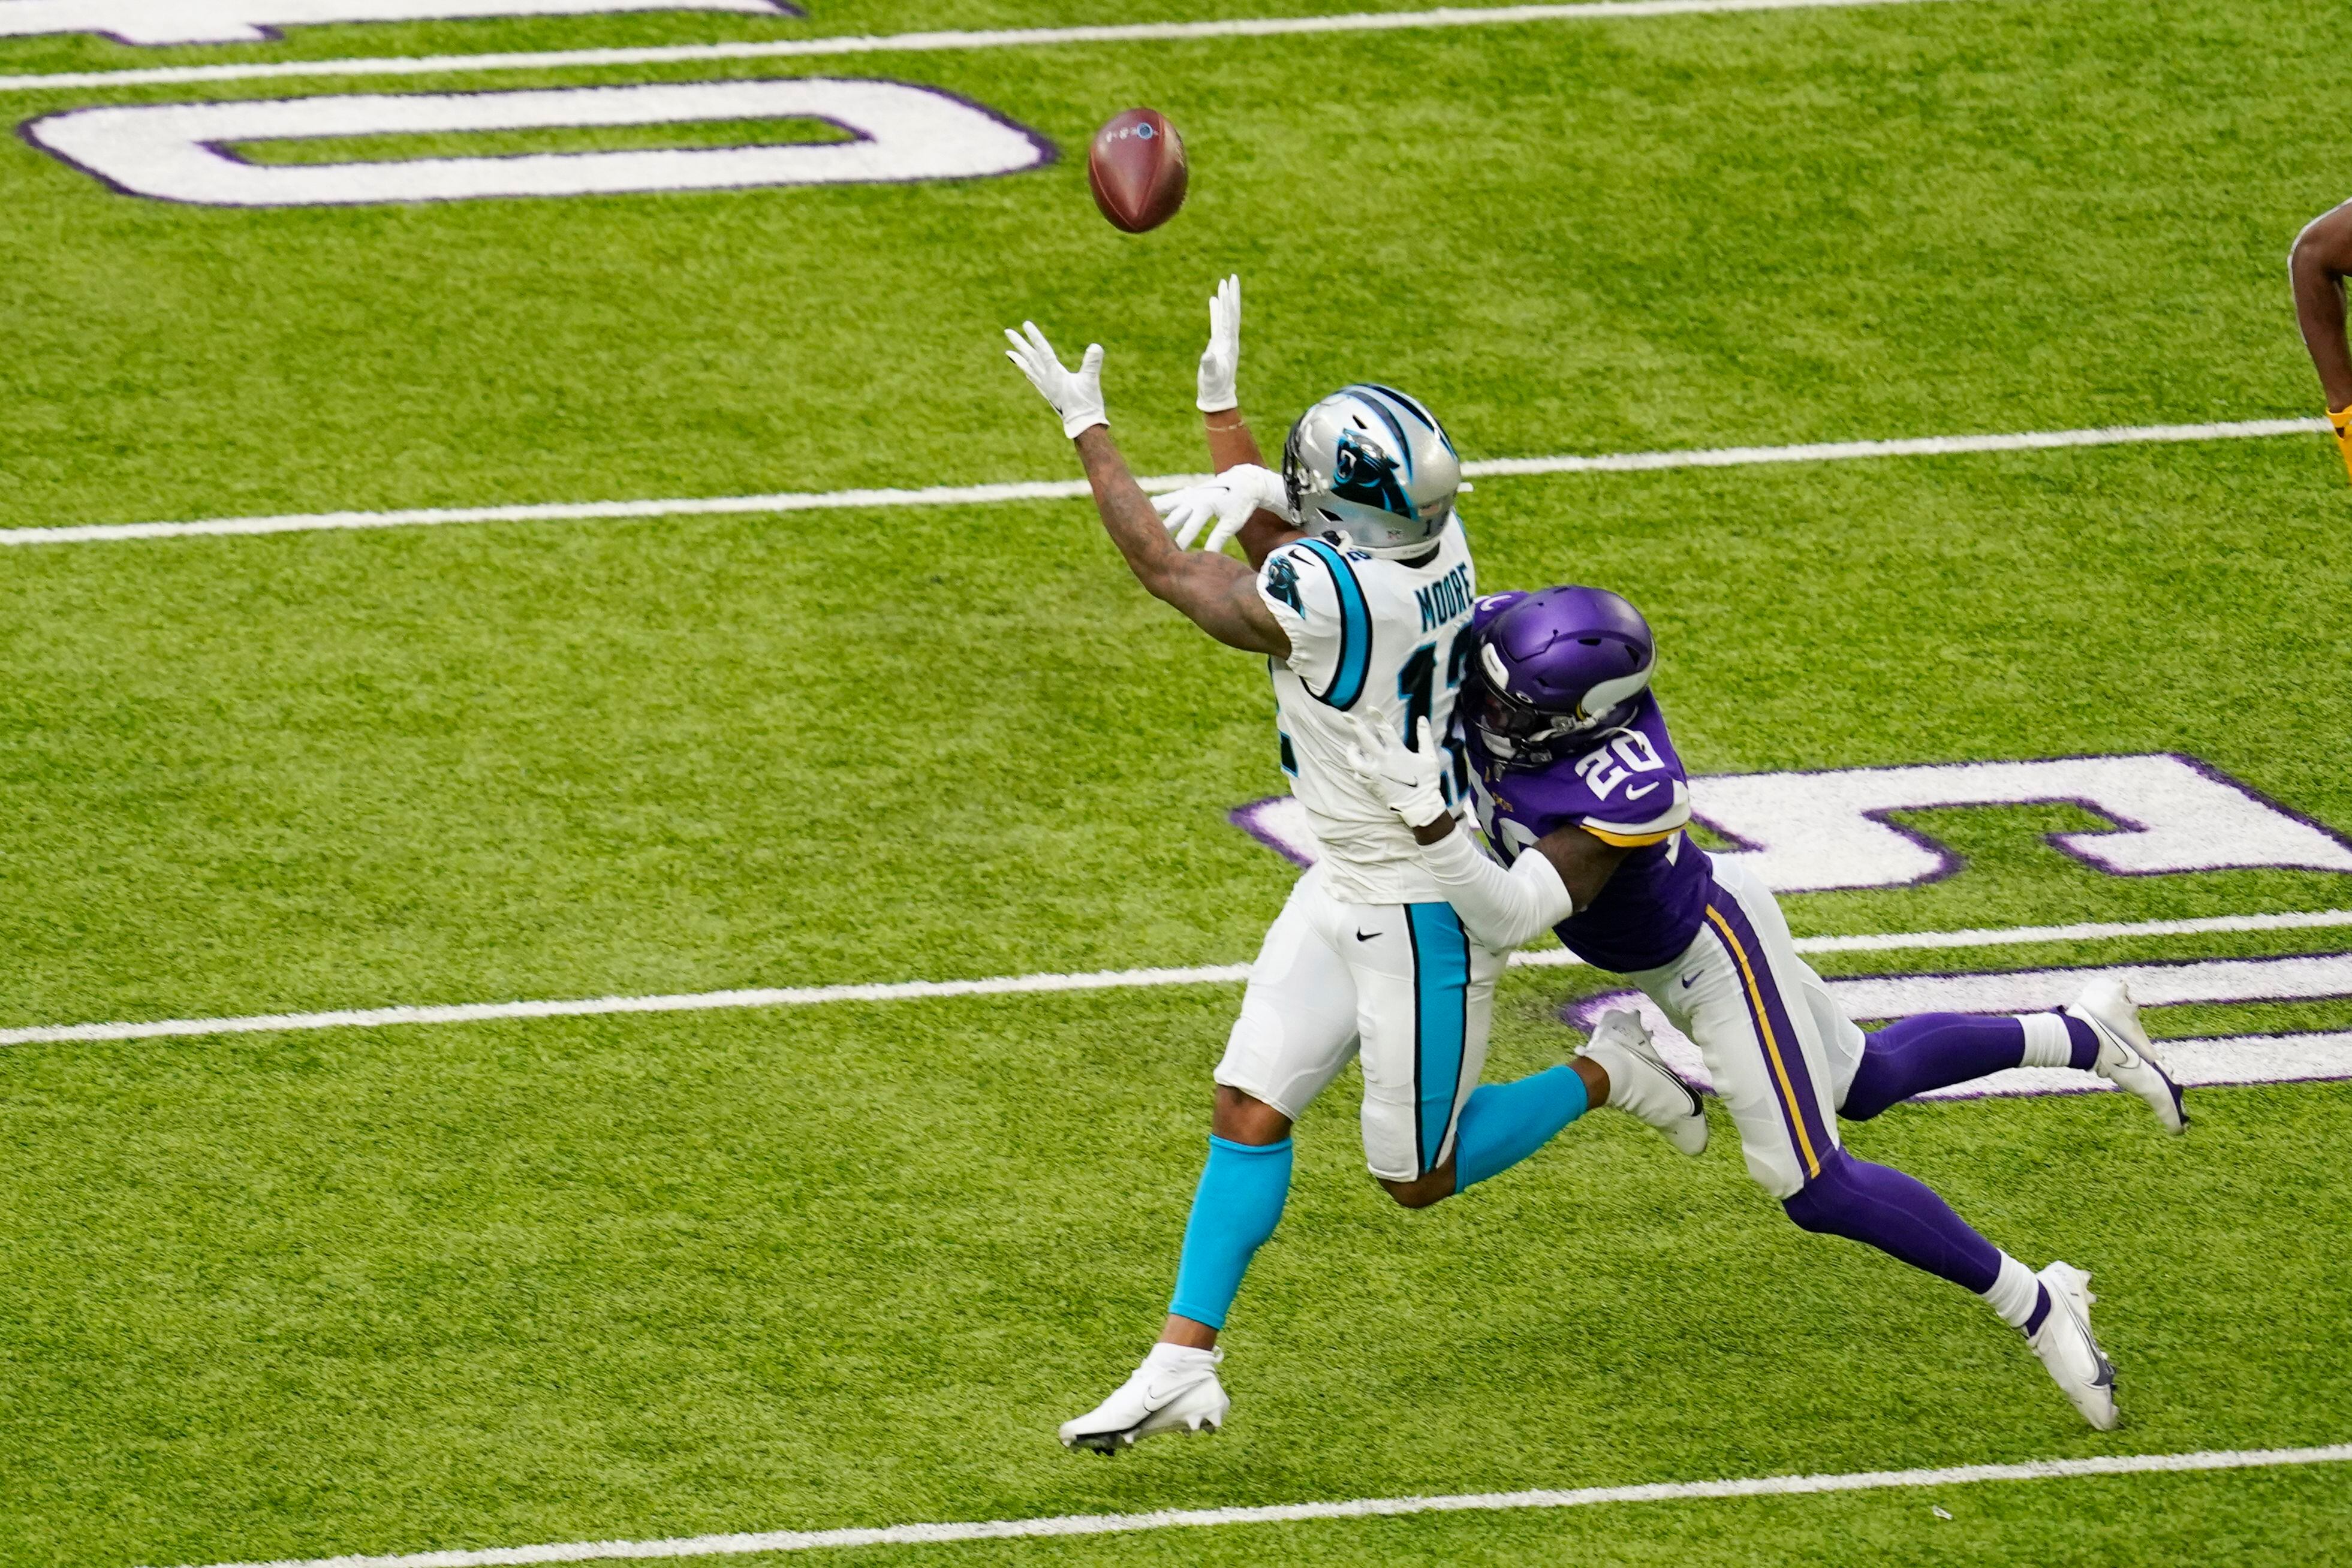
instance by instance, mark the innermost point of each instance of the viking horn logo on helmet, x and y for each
(1555, 664)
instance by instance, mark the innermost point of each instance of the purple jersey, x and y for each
(1624, 786)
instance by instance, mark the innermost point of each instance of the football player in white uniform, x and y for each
(1360, 601)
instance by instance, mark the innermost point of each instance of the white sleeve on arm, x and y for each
(1501, 908)
(1297, 588)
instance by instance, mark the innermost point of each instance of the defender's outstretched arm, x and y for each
(2321, 260)
(1563, 873)
(1502, 908)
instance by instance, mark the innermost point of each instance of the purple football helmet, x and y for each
(1554, 664)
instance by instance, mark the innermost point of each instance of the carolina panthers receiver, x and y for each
(1570, 758)
(1364, 618)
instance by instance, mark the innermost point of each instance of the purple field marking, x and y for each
(2258, 796)
(2080, 845)
(1279, 822)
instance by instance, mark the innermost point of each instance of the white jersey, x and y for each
(1368, 637)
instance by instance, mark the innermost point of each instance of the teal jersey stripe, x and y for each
(1355, 628)
(1441, 988)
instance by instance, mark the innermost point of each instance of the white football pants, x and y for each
(1401, 984)
(1781, 1052)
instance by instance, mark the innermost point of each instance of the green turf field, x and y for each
(289, 1295)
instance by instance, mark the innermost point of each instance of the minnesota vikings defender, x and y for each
(2321, 260)
(1569, 757)
(1363, 616)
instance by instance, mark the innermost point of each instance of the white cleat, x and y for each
(1175, 1390)
(1641, 1084)
(2127, 1059)
(2071, 1355)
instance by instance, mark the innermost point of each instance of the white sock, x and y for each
(2015, 1291)
(2047, 1043)
(1179, 1356)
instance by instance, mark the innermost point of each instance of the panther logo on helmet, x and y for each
(1363, 473)
(1369, 465)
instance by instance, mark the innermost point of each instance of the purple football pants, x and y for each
(1879, 1206)
(1935, 1051)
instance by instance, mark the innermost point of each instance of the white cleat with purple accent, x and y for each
(2127, 1059)
(2069, 1353)
(1175, 1390)
(1642, 1085)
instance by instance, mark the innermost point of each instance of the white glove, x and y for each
(1187, 512)
(1077, 395)
(1221, 362)
(1406, 782)
(1232, 497)
(1501, 908)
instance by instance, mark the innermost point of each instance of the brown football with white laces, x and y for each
(1136, 170)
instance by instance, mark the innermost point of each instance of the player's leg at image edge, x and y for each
(2318, 265)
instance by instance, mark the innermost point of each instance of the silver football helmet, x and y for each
(1371, 464)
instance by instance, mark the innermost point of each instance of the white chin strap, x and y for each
(1404, 551)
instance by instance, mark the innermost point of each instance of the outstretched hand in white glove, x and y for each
(1232, 498)
(1077, 395)
(1221, 362)
(1406, 782)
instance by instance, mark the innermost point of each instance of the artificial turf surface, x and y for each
(286, 1296)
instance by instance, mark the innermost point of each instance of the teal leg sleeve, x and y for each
(1243, 1188)
(1502, 1123)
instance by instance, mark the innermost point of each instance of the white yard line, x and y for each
(2082, 931)
(1910, 446)
(1070, 490)
(919, 43)
(1094, 980)
(1356, 1508)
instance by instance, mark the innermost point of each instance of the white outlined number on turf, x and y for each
(157, 22)
(180, 152)
(1819, 831)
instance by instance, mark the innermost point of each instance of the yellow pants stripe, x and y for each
(1771, 1046)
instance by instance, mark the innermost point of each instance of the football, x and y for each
(1136, 169)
